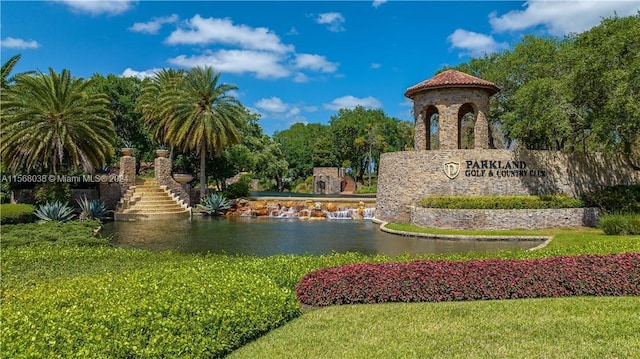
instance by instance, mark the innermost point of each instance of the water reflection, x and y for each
(267, 236)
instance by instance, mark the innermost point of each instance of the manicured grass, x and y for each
(16, 213)
(62, 297)
(578, 327)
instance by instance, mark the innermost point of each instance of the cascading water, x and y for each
(342, 214)
(368, 213)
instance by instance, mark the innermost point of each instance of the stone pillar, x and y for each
(421, 132)
(127, 173)
(162, 169)
(449, 127)
(481, 130)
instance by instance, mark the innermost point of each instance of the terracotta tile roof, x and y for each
(451, 78)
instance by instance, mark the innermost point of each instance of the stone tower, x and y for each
(447, 98)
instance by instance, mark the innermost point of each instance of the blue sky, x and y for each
(292, 61)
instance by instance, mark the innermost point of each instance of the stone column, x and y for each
(127, 173)
(162, 169)
(420, 133)
(481, 131)
(449, 127)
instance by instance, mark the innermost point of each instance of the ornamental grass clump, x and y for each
(436, 281)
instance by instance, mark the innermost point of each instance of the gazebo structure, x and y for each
(447, 98)
(460, 161)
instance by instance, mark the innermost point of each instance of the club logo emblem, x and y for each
(452, 169)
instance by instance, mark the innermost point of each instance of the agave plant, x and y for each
(55, 211)
(92, 209)
(214, 204)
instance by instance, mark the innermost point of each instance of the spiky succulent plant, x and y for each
(55, 211)
(93, 209)
(214, 204)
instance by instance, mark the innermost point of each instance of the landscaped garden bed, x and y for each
(436, 281)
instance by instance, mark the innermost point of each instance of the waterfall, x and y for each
(342, 214)
(369, 213)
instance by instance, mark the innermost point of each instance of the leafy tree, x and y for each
(194, 113)
(298, 144)
(580, 93)
(51, 121)
(360, 135)
(123, 93)
(606, 81)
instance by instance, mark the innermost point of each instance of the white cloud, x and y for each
(273, 104)
(293, 31)
(275, 108)
(473, 43)
(300, 77)
(263, 64)
(333, 20)
(129, 72)
(153, 26)
(561, 17)
(203, 31)
(315, 63)
(375, 65)
(377, 3)
(13, 43)
(97, 7)
(351, 102)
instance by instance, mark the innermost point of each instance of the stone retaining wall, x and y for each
(502, 218)
(405, 177)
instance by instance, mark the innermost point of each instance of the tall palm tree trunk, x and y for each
(203, 175)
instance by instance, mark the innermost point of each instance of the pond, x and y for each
(270, 236)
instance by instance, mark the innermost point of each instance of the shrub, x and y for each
(69, 233)
(16, 213)
(56, 211)
(238, 189)
(93, 209)
(214, 204)
(501, 202)
(52, 192)
(435, 281)
(620, 224)
(170, 307)
(366, 189)
(615, 199)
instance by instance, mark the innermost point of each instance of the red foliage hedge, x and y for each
(434, 281)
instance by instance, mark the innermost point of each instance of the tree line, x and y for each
(580, 93)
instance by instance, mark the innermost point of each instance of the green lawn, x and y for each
(62, 299)
(531, 328)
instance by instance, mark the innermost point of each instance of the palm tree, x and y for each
(50, 120)
(162, 86)
(196, 114)
(6, 69)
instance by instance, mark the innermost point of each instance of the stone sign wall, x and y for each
(406, 177)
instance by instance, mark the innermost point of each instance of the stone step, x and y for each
(151, 195)
(147, 216)
(154, 206)
(155, 211)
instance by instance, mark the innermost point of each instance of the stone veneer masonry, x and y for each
(502, 218)
(162, 169)
(330, 176)
(405, 177)
(448, 102)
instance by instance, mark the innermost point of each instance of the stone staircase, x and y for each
(149, 200)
